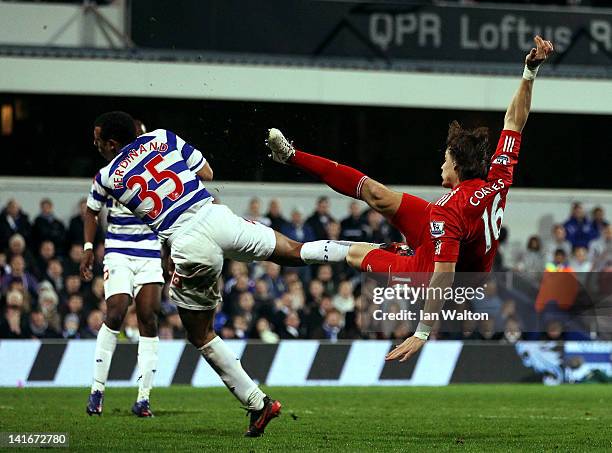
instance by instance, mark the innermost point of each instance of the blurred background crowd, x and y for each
(42, 295)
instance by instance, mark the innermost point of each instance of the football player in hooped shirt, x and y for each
(459, 232)
(159, 178)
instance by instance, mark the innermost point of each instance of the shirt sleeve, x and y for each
(505, 157)
(97, 194)
(194, 158)
(446, 232)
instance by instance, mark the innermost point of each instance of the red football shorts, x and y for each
(412, 220)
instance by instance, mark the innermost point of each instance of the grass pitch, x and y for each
(454, 418)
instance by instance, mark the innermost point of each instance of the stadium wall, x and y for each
(528, 211)
(268, 83)
(33, 363)
(64, 25)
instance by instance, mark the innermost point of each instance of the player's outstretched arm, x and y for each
(89, 233)
(442, 278)
(518, 110)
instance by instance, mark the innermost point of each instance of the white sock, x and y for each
(225, 363)
(105, 347)
(147, 364)
(319, 252)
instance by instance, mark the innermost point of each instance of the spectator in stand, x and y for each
(263, 332)
(512, 331)
(94, 299)
(499, 262)
(599, 220)
(74, 234)
(19, 273)
(331, 327)
(325, 275)
(240, 327)
(277, 221)
(559, 262)
(48, 304)
(313, 319)
(4, 267)
(17, 246)
(291, 327)
(130, 325)
(297, 229)
(276, 283)
(73, 260)
(47, 227)
(579, 261)
(601, 249)
(46, 253)
(14, 323)
(554, 331)
(377, 230)
(95, 318)
(352, 228)
(55, 274)
(320, 218)
(74, 306)
(558, 241)
(39, 327)
(72, 324)
(533, 259)
(13, 221)
(72, 286)
(344, 300)
(254, 212)
(580, 231)
(315, 292)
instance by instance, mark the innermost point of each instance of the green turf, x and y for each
(456, 418)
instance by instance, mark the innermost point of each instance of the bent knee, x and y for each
(357, 253)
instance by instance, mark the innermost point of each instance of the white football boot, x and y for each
(281, 149)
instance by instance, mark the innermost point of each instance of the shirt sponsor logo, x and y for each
(437, 228)
(502, 159)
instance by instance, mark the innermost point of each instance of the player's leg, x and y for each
(118, 289)
(148, 307)
(198, 262)
(106, 342)
(247, 241)
(342, 178)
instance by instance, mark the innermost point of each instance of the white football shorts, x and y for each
(124, 274)
(198, 249)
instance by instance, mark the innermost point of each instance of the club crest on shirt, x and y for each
(437, 228)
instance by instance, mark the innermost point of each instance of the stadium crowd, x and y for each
(42, 295)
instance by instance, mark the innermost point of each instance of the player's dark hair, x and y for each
(118, 126)
(469, 148)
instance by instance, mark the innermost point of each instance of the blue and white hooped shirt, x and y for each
(155, 178)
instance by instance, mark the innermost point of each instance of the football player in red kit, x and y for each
(457, 233)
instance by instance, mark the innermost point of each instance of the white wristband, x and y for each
(87, 246)
(422, 331)
(530, 74)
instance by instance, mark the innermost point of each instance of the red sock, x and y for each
(341, 178)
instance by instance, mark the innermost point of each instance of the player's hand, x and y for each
(540, 53)
(407, 349)
(86, 267)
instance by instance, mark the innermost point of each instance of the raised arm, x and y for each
(518, 110)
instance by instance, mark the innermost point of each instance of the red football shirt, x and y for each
(465, 223)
